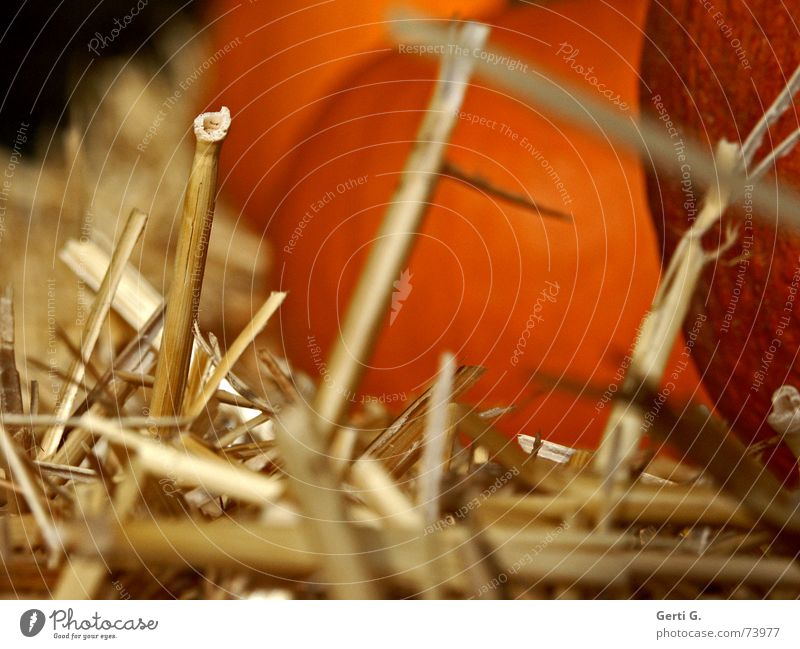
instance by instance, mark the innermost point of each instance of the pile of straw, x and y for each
(165, 473)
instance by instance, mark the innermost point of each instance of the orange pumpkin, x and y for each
(281, 60)
(491, 281)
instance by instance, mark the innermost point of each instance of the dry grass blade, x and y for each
(242, 429)
(376, 488)
(321, 499)
(68, 472)
(482, 185)
(183, 301)
(82, 577)
(32, 490)
(215, 475)
(399, 445)
(243, 340)
(706, 441)
(436, 429)
(237, 384)
(535, 475)
(642, 505)
(10, 388)
(142, 307)
(100, 308)
(135, 299)
(137, 380)
(134, 360)
(393, 242)
(776, 110)
(200, 369)
(38, 421)
(34, 391)
(287, 388)
(278, 550)
(434, 462)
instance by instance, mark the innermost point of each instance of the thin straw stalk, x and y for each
(183, 301)
(389, 253)
(100, 308)
(243, 340)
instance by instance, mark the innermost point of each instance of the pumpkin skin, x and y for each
(281, 61)
(483, 272)
(718, 89)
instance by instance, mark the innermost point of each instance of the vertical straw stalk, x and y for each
(389, 253)
(210, 130)
(436, 434)
(321, 500)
